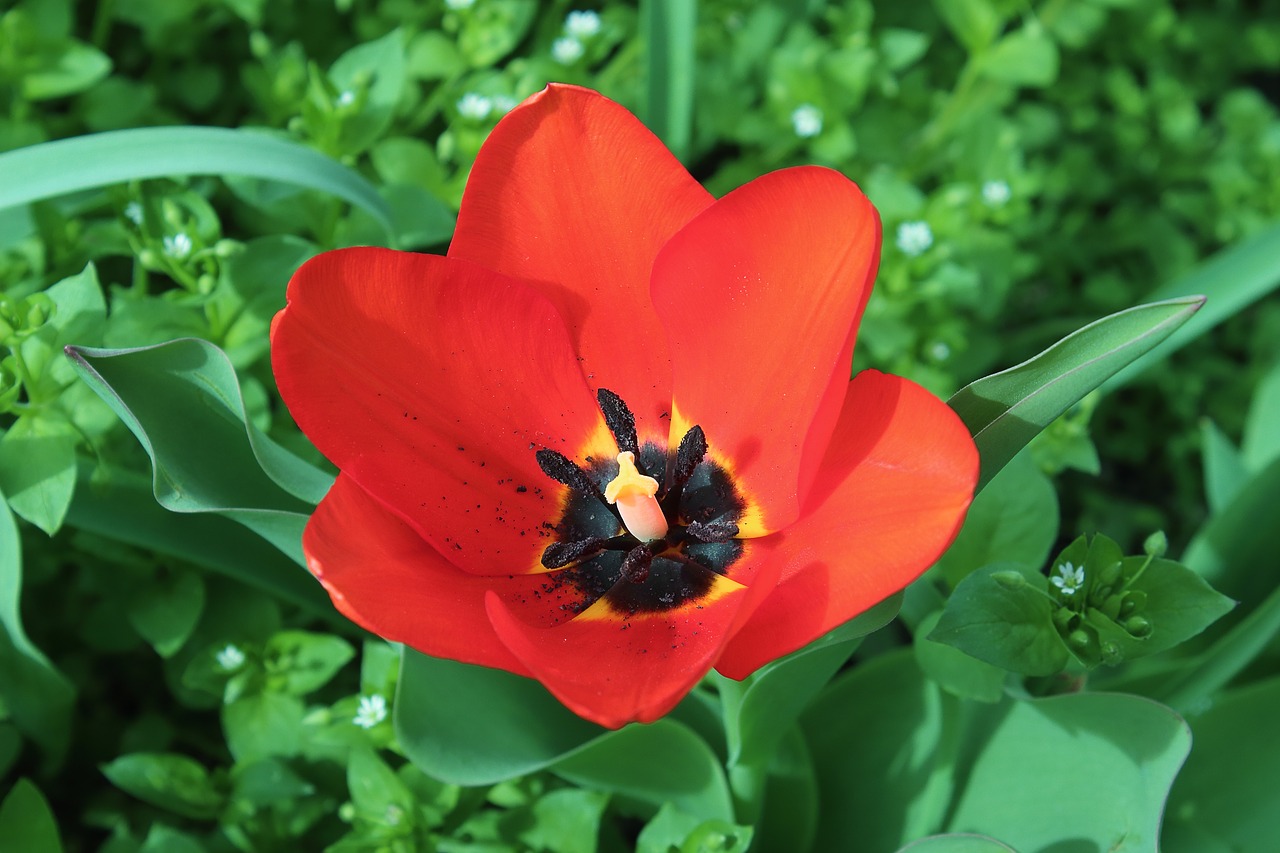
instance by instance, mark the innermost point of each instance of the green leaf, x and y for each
(954, 671)
(1006, 410)
(173, 782)
(299, 662)
(166, 611)
(79, 317)
(657, 763)
(263, 725)
(1224, 470)
(1261, 443)
(77, 66)
(1091, 767)
(772, 699)
(375, 69)
(38, 469)
(1006, 622)
(1232, 280)
(1224, 799)
(1229, 549)
(166, 839)
(376, 791)
(26, 821)
(471, 725)
(1179, 605)
(1014, 519)
(182, 400)
(791, 798)
(957, 843)
(877, 740)
(566, 821)
(37, 696)
(975, 23)
(1025, 57)
(267, 782)
(672, 829)
(668, 35)
(53, 169)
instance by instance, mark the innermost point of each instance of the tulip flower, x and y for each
(610, 441)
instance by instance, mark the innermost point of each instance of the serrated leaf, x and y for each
(1006, 410)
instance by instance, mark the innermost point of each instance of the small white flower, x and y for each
(996, 193)
(177, 245)
(371, 711)
(133, 212)
(806, 119)
(229, 657)
(1069, 578)
(346, 98)
(567, 50)
(582, 24)
(914, 237)
(939, 351)
(474, 106)
(504, 103)
(458, 5)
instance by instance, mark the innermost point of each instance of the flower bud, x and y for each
(1156, 544)
(1138, 626)
(1079, 639)
(1109, 575)
(1111, 654)
(1009, 579)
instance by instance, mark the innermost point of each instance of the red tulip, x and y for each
(597, 302)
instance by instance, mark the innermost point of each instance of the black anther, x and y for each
(693, 446)
(559, 554)
(712, 531)
(619, 420)
(560, 468)
(635, 566)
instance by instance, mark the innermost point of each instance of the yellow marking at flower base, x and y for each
(603, 611)
(752, 523)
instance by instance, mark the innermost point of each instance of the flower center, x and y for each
(665, 523)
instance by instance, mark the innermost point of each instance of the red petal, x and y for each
(429, 381)
(614, 668)
(384, 577)
(889, 498)
(760, 296)
(573, 192)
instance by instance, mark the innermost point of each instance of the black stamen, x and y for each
(712, 531)
(693, 446)
(635, 566)
(559, 554)
(560, 468)
(619, 420)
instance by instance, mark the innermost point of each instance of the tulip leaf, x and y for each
(1000, 614)
(876, 737)
(656, 763)
(52, 169)
(1006, 410)
(1224, 469)
(1224, 799)
(27, 822)
(669, 29)
(182, 400)
(471, 725)
(1229, 549)
(1091, 767)
(791, 797)
(960, 842)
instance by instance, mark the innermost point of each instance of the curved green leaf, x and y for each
(1006, 410)
(27, 822)
(52, 169)
(669, 28)
(957, 843)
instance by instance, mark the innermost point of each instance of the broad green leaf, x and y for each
(374, 72)
(960, 842)
(566, 821)
(166, 839)
(173, 782)
(53, 169)
(1230, 550)
(182, 400)
(975, 23)
(79, 317)
(1014, 519)
(26, 821)
(668, 34)
(1224, 799)
(657, 763)
(166, 611)
(1261, 442)
(77, 66)
(267, 782)
(263, 725)
(300, 662)
(1232, 280)
(671, 829)
(791, 798)
(37, 696)
(471, 725)
(876, 736)
(1006, 410)
(1001, 615)
(954, 671)
(375, 788)
(1091, 767)
(771, 699)
(1025, 57)
(38, 469)
(1224, 470)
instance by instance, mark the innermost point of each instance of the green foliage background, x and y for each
(170, 681)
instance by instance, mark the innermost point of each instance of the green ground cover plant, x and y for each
(1081, 211)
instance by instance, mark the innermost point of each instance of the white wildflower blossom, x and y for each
(582, 24)
(459, 5)
(177, 245)
(806, 119)
(939, 351)
(504, 103)
(567, 50)
(914, 238)
(474, 106)
(1069, 578)
(370, 711)
(229, 657)
(133, 213)
(996, 193)
(345, 98)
